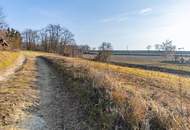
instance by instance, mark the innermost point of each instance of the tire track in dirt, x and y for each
(58, 107)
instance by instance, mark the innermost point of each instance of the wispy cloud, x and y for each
(122, 17)
(145, 11)
(117, 18)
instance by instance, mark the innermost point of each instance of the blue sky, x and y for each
(132, 23)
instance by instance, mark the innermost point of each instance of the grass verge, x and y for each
(7, 59)
(18, 94)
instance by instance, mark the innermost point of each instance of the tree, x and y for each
(67, 41)
(55, 38)
(52, 38)
(84, 48)
(105, 52)
(14, 38)
(30, 38)
(158, 47)
(148, 47)
(168, 48)
(54, 33)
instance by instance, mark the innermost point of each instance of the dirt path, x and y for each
(57, 109)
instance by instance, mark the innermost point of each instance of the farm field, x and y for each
(123, 97)
(94, 65)
(141, 98)
(146, 62)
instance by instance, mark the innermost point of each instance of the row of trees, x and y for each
(52, 38)
(169, 50)
(165, 46)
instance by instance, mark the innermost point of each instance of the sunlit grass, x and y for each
(18, 93)
(7, 59)
(138, 93)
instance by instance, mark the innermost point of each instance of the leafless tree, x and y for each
(148, 47)
(105, 52)
(158, 47)
(168, 48)
(67, 40)
(84, 48)
(30, 38)
(52, 38)
(54, 33)
(43, 40)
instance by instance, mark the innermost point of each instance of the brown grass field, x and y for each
(130, 98)
(111, 96)
(150, 61)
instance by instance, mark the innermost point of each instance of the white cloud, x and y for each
(117, 18)
(145, 11)
(122, 17)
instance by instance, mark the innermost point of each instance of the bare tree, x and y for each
(148, 47)
(43, 40)
(30, 38)
(54, 33)
(84, 48)
(105, 52)
(56, 38)
(168, 48)
(158, 47)
(67, 41)
(53, 38)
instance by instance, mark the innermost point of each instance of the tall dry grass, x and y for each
(117, 97)
(7, 59)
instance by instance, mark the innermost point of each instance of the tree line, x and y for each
(54, 39)
(169, 51)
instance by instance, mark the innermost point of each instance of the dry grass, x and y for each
(7, 59)
(155, 61)
(142, 99)
(119, 97)
(18, 94)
